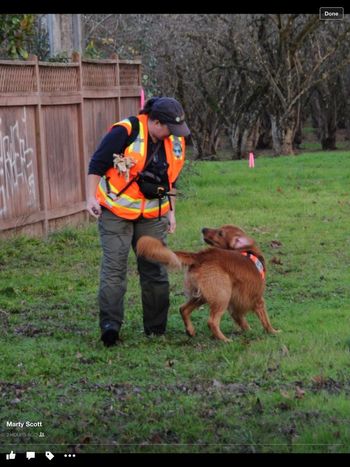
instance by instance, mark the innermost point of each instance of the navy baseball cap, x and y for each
(169, 111)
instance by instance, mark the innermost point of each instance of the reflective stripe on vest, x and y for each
(152, 205)
(139, 144)
(125, 123)
(123, 200)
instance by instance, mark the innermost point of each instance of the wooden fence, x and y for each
(52, 117)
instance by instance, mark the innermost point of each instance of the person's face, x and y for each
(157, 130)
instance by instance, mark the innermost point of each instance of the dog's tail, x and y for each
(153, 249)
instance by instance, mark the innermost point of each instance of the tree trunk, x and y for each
(204, 146)
(235, 140)
(298, 138)
(329, 143)
(329, 130)
(282, 135)
(324, 108)
(326, 130)
(250, 139)
(265, 137)
(64, 33)
(197, 150)
(347, 126)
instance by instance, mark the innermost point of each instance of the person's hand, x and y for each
(172, 222)
(93, 207)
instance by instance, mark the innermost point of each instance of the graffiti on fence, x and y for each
(16, 164)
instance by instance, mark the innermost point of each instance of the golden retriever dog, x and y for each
(230, 275)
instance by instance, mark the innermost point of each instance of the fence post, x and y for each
(42, 163)
(142, 95)
(115, 57)
(76, 57)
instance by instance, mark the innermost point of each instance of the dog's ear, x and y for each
(241, 241)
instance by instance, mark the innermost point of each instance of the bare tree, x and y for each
(329, 94)
(344, 105)
(231, 71)
(294, 58)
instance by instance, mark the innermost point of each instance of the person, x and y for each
(131, 190)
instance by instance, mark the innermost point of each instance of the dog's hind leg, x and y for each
(239, 318)
(186, 311)
(242, 322)
(216, 312)
(260, 310)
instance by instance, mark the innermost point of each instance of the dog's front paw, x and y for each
(224, 339)
(227, 340)
(190, 331)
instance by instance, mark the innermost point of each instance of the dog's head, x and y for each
(228, 237)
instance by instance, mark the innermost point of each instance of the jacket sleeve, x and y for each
(113, 142)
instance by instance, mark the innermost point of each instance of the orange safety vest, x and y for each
(259, 265)
(131, 204)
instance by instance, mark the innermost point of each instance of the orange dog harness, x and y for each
(257, 262)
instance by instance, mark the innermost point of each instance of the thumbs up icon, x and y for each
(10, 456)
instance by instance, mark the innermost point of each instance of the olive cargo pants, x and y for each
(117, 236)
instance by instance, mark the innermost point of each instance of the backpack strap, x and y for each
(135, 128)
(135, 177)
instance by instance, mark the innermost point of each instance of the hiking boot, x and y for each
(155, 331)
(110, 337)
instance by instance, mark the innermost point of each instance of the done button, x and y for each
(332, 12)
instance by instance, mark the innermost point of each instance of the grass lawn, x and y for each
(287, 393)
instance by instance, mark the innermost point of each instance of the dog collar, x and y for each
(259, 265)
